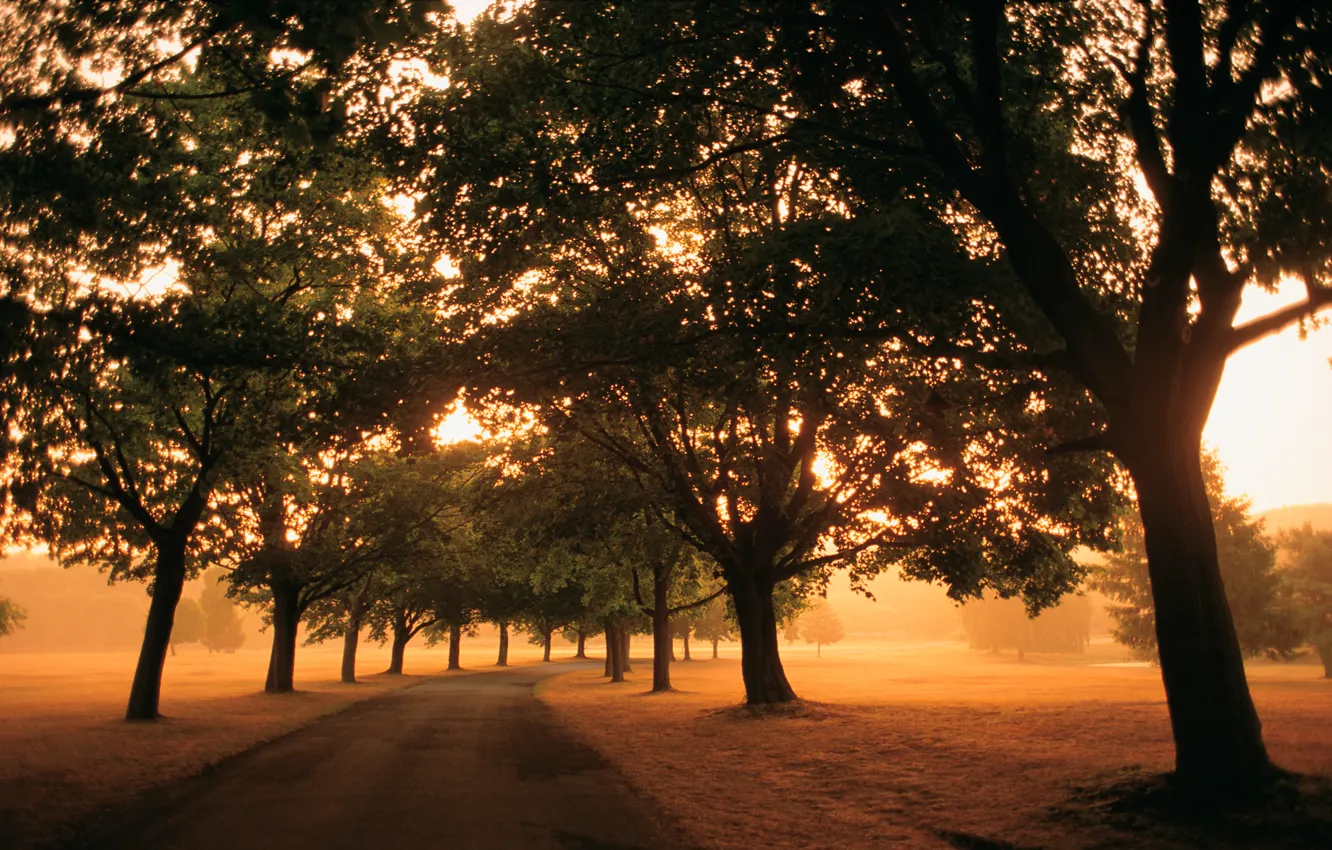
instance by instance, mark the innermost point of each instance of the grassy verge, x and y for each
(932, 746)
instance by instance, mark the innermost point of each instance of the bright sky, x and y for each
(465, 10)
(1272, 421)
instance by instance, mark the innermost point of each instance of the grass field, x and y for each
(66, 753)
(930, 746)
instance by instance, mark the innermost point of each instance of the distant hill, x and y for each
(1295, 516)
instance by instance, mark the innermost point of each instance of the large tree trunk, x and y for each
(624, 649)
(455, 647)
(1218, 737)
(286, 617)
(582, 643)
(400, 638)
(503, 660)
(615, 651)
(350, 639)
(760, 664)
(663, 646)
(168, 581)
(611, 642)
(1325, 655)
(545, 644)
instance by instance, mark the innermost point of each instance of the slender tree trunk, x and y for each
(286, 617)
(760, 663)
(624, 648)
(1325, 655)
(611, 642)
(714, 648)
(545, 644)
(173, 649)
(685, 638)
(818, 650)
(350, 639)
(455, 647)
(503, 660)
(168, 582)
(1218, 737)
(582, 643)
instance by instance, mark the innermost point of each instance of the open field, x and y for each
(925, 745)
(65, 752)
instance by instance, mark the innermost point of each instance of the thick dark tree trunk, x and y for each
(350, 639)
(455, 647)
(685, 638)
(168, 581)
(1218, 737)
(545, 644)
(663, 646)
(503, 660)
(760, 664)
(624, 649)
(714, 648)
(396, 658)
(582, 643)
(615, 648)
(1325, 656)
(611, 642)
(286, 617)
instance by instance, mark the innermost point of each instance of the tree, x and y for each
(712, 625)
(1247, 560)
(820, 625)
(996, 623)
(11, 617)
(1308, 573)
(222, 625)
(190, 624)
(990, 115)
(776, 390)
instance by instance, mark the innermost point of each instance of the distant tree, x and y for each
(190, 625)
(1309, 577)
(791, 630)
(820, 625)
(222, 624)
(712, 625)
(994, 624)
(1248, 570)
(11, 617)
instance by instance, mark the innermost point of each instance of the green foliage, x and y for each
(1248, 568)
(11, 616)
(222, 624)
(711, 623)
(191, 624)
(1308, 576)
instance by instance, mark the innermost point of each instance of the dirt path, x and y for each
(473, 761)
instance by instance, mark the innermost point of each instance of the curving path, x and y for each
(468, 762)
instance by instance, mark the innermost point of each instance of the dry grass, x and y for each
(926, 746)
(65, 752)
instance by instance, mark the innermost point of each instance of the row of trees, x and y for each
(782, 288)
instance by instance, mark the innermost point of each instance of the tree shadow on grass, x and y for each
(797, 708)
(1152, 810)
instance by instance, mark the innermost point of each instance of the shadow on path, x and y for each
(474, 761)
